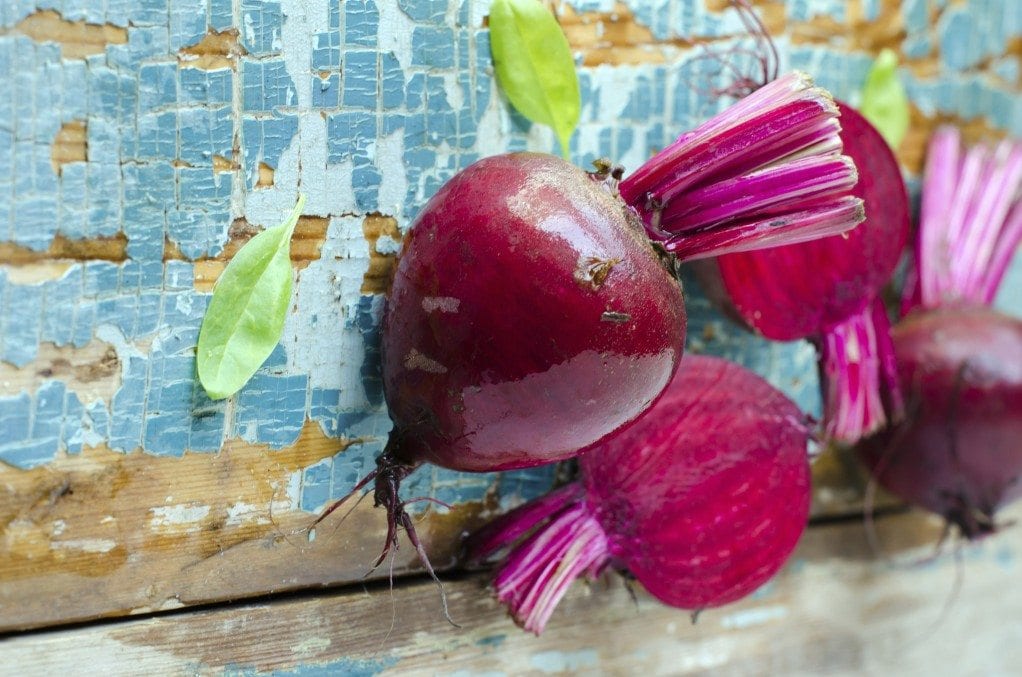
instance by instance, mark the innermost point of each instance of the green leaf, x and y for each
(245, 317)
(884, 102)
(534, 65)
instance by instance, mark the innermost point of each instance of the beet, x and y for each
(959, 362)
(958, 452)
(530, 314)
(702, 499)
(826, 290)
(529, 317)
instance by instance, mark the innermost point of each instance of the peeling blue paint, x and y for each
(154, 126)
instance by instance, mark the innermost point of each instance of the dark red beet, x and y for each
(529, 317)
(702, 499)
(959, 450)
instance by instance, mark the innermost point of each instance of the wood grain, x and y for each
(836, 609)
(110, 534)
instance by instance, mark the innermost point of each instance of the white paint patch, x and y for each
(320, 338)
(58, 527)
(752, 617)
(445, 304)
(416, 360)
(95, 545)
(708, 654)
(246, 513)
(168, 604)
(553, 662)
(293, 491)
(385, 245)
(395, 32)
(312, 645)
(390, 151)
(494, 125)
(270, 206)
(297, 36)
(180, 514)
(328, 187)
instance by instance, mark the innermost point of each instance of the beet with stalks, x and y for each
(959, 362)
(702, 500)
(530, 317)
(827, 290)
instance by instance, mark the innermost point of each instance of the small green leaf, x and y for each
(884, 102)
(245, 317)
(534, 65)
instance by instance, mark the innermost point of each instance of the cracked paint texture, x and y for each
(367, 107)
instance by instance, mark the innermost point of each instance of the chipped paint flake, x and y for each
(93, 545)
(177, 515)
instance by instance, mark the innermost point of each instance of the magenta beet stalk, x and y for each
(765, 172)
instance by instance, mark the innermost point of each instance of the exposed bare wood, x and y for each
(77, 38)
(106, 533)
(93, 371)
(310, 234)
(265, 179)
(223, 165)
(70, 145)
(378, 275)
(113, 248)
(912, 151)
(216, 50)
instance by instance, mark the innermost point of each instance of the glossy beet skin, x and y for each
(799, 291)
(529, 317)
(702, 499)
(706, 496)
(959, 450)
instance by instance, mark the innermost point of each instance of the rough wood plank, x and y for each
(105, 533)
(835, 609)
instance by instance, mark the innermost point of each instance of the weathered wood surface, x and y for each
(836, 609)
(122, 489)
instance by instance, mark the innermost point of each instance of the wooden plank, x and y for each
(111, 534)
(105, 533)
(836, 609)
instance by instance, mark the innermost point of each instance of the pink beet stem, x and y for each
(970, 221)
(511, 526)
(765, 172)
(987, 225)
(860, 372)
(831, 218)
(539, 572)
(767, 191)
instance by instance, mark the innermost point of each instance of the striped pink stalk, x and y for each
(765, 172)
(970, 222)
(857, 357)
